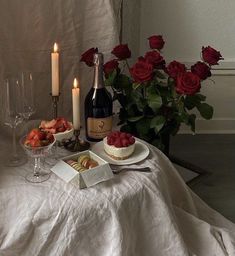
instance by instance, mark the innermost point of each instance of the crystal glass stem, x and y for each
(14, 150)
(37, 166)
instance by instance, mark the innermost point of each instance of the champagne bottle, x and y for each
(98, 105)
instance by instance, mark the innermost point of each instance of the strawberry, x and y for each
(44, 142)
(128, 135)
(43, 124)
(50, 124)
(38, 138)
(27, 142)
(51, 130)
(61, 129)
(49, 137)
(67, 125)
(32, 133)
(35, 143)
(40, 135)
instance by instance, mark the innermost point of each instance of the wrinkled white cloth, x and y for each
(139, 214)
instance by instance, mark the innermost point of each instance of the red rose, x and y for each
(110, 66)
(174, 68)
(155, 59)
(211, 56)
(88, 56)
(142, 71)
(201, 69)
(187, 83)
(121, 51)
(156, 42)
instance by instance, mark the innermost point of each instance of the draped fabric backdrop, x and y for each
(29, 29)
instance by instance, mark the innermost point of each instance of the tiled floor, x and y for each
(216, 154)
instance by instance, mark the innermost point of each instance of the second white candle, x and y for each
(76, 105)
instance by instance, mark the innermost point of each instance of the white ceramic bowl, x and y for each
(64, 135)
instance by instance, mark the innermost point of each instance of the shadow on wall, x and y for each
(75, 25)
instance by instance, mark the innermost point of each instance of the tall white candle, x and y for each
(76, 105)
(55, 71)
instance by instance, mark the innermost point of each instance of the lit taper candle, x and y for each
(76, 105)
(55, 71)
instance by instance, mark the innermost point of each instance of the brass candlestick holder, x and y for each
(55, 100)
(76, 144)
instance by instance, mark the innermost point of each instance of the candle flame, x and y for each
(55, 47)
(75, 83)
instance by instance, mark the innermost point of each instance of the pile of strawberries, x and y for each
(57, 125)
(38, 138)
(120, 139)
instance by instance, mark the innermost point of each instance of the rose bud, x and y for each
(201, 69)
(156, 42)
(155, 59)
(211, 56)
(187, 83)
(88, 56)
(121, 51)
(174, 68)
(110, 66)
(142, 71)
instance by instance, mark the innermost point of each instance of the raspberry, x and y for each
(123, 135)
(125, 142)
(115, 134)
(110, 141)
(118, 143)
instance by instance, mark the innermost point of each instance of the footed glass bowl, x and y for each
(37, 153)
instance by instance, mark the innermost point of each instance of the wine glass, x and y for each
(37, 153)
(11, 102)
(27, 95)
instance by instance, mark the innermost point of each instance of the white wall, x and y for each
(186, 26)
(131, 25)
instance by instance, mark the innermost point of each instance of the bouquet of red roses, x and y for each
(156, 97)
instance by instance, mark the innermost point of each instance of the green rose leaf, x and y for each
(201, 97)
(205, 110)
(135, 118)
(184, 117)
(135, 85)
(122, 81)
(143, 127)
(157, 123)
(153, 99)
(109, 81)
(138, 98)
(191, 122)
(192, 101)
(160, 75)
(155, 102)
(163, 84)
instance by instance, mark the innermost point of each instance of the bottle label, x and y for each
(98, 128)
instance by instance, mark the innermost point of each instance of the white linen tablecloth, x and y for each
(141, 214)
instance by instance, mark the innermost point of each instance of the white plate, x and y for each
(140, 153)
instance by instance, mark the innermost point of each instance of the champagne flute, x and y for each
(27, 95)
(11, 105)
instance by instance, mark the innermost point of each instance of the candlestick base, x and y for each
(55, 100)
(76, 144)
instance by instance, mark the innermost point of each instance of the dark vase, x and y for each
(165, 139)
